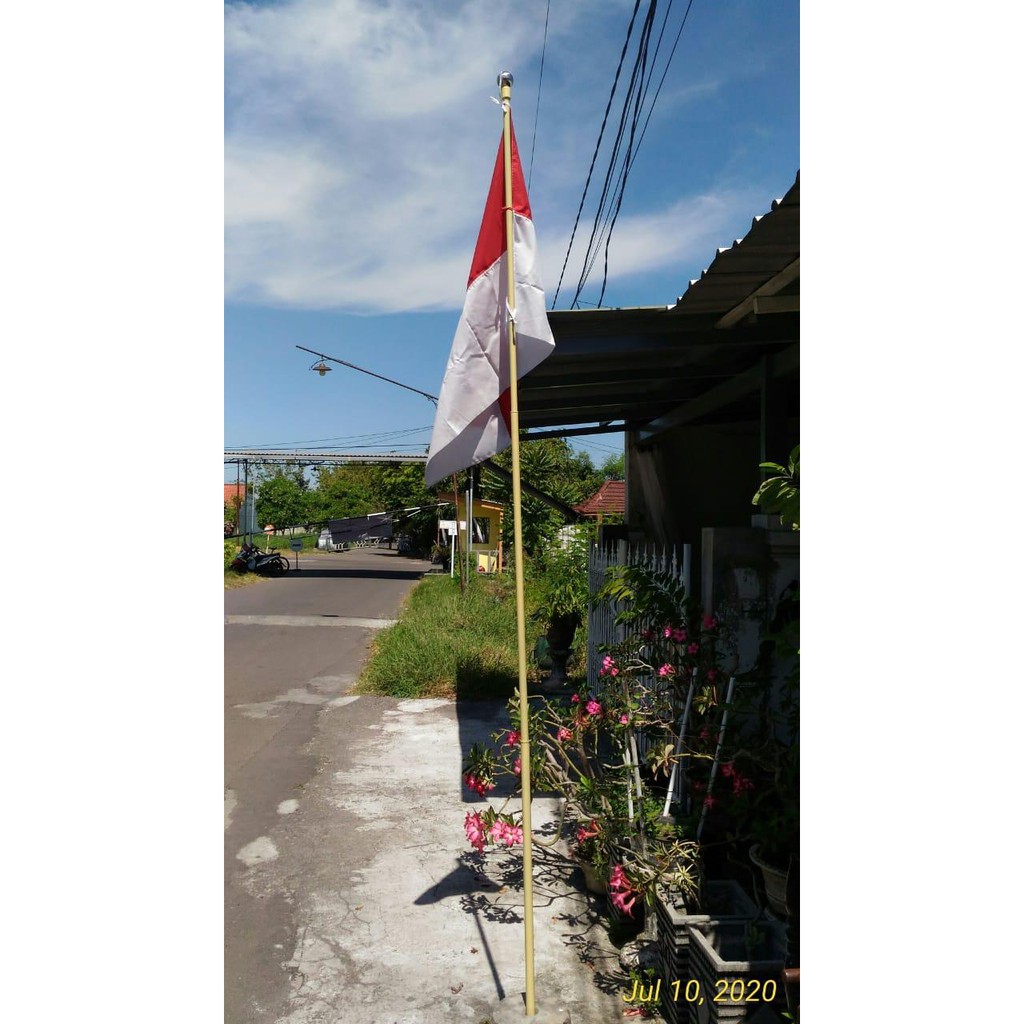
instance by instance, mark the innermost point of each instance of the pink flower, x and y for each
(693, 649)
(480, 786)
(474, 827)
(667, 632)
(564, 734)
(512, 739)
(709, 622)
(518, 766)
(593, 708)
(728, 770)
(575, 698)
(624, 719)
(712, 675)
(626, 906)
(623, 895)
(513, 835)
(678, 635)
(666, 670)
(709, 801)
(740, 784)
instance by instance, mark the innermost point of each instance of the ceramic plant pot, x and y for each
(775, 881)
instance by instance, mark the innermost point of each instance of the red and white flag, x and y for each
(472, 421)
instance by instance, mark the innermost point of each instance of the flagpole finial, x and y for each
(505, 78)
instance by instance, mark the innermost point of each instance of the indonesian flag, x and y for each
(472, 421)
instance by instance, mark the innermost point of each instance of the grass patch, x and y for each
(233, 580)
(449, 644)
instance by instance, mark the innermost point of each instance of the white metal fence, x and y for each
(601, 626)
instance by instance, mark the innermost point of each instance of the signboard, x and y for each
(296, 544)
(269, 528)
(451, 527)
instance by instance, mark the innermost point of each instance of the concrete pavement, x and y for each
(356, 896)
(397, 919)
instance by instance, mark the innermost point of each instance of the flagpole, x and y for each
(505, 82)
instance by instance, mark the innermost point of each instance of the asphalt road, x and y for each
(292, 646)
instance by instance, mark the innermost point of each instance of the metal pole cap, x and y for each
(505, 78)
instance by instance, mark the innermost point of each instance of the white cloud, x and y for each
(360, 142)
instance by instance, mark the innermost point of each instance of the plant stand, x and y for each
(722, 962)
(726, 901)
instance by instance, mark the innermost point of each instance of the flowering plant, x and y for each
(586, 748)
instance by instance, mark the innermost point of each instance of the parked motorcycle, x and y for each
(251, 559)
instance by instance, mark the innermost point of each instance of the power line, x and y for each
(634, 94)
(540, 82)
(600, 136)
(378, 435)
(635, 108)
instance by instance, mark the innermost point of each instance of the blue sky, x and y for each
(359, 142)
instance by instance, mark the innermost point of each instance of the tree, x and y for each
(282, 498)
(614, 467)
(341, 492)
(551, 466)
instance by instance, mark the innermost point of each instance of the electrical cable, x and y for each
(540, 83)
(632, 94)
(635, 109)
(600, 136)
(629, 164)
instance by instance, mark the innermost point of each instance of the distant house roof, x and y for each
(231, 491)
(610, 498)
(478, 503)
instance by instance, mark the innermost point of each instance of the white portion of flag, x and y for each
(470, 425)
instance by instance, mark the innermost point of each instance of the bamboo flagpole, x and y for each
(505, 83)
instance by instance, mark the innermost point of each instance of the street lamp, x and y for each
(322, 368)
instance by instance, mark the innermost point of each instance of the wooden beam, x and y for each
(785, 363)
(772, 286)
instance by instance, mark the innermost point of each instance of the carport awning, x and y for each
(653, 367)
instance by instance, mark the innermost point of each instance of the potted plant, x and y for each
(590, 853)
(565, 597)
(767, 811)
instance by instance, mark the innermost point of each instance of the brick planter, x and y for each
(721, 963)
(726, 901)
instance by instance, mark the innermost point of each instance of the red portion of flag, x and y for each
(491, 242)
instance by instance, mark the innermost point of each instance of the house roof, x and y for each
(651, 368)
(478, 503)
(610, 498)
(233, 490)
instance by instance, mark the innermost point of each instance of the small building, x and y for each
(486, 542)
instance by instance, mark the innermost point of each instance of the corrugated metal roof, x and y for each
(634, 366)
